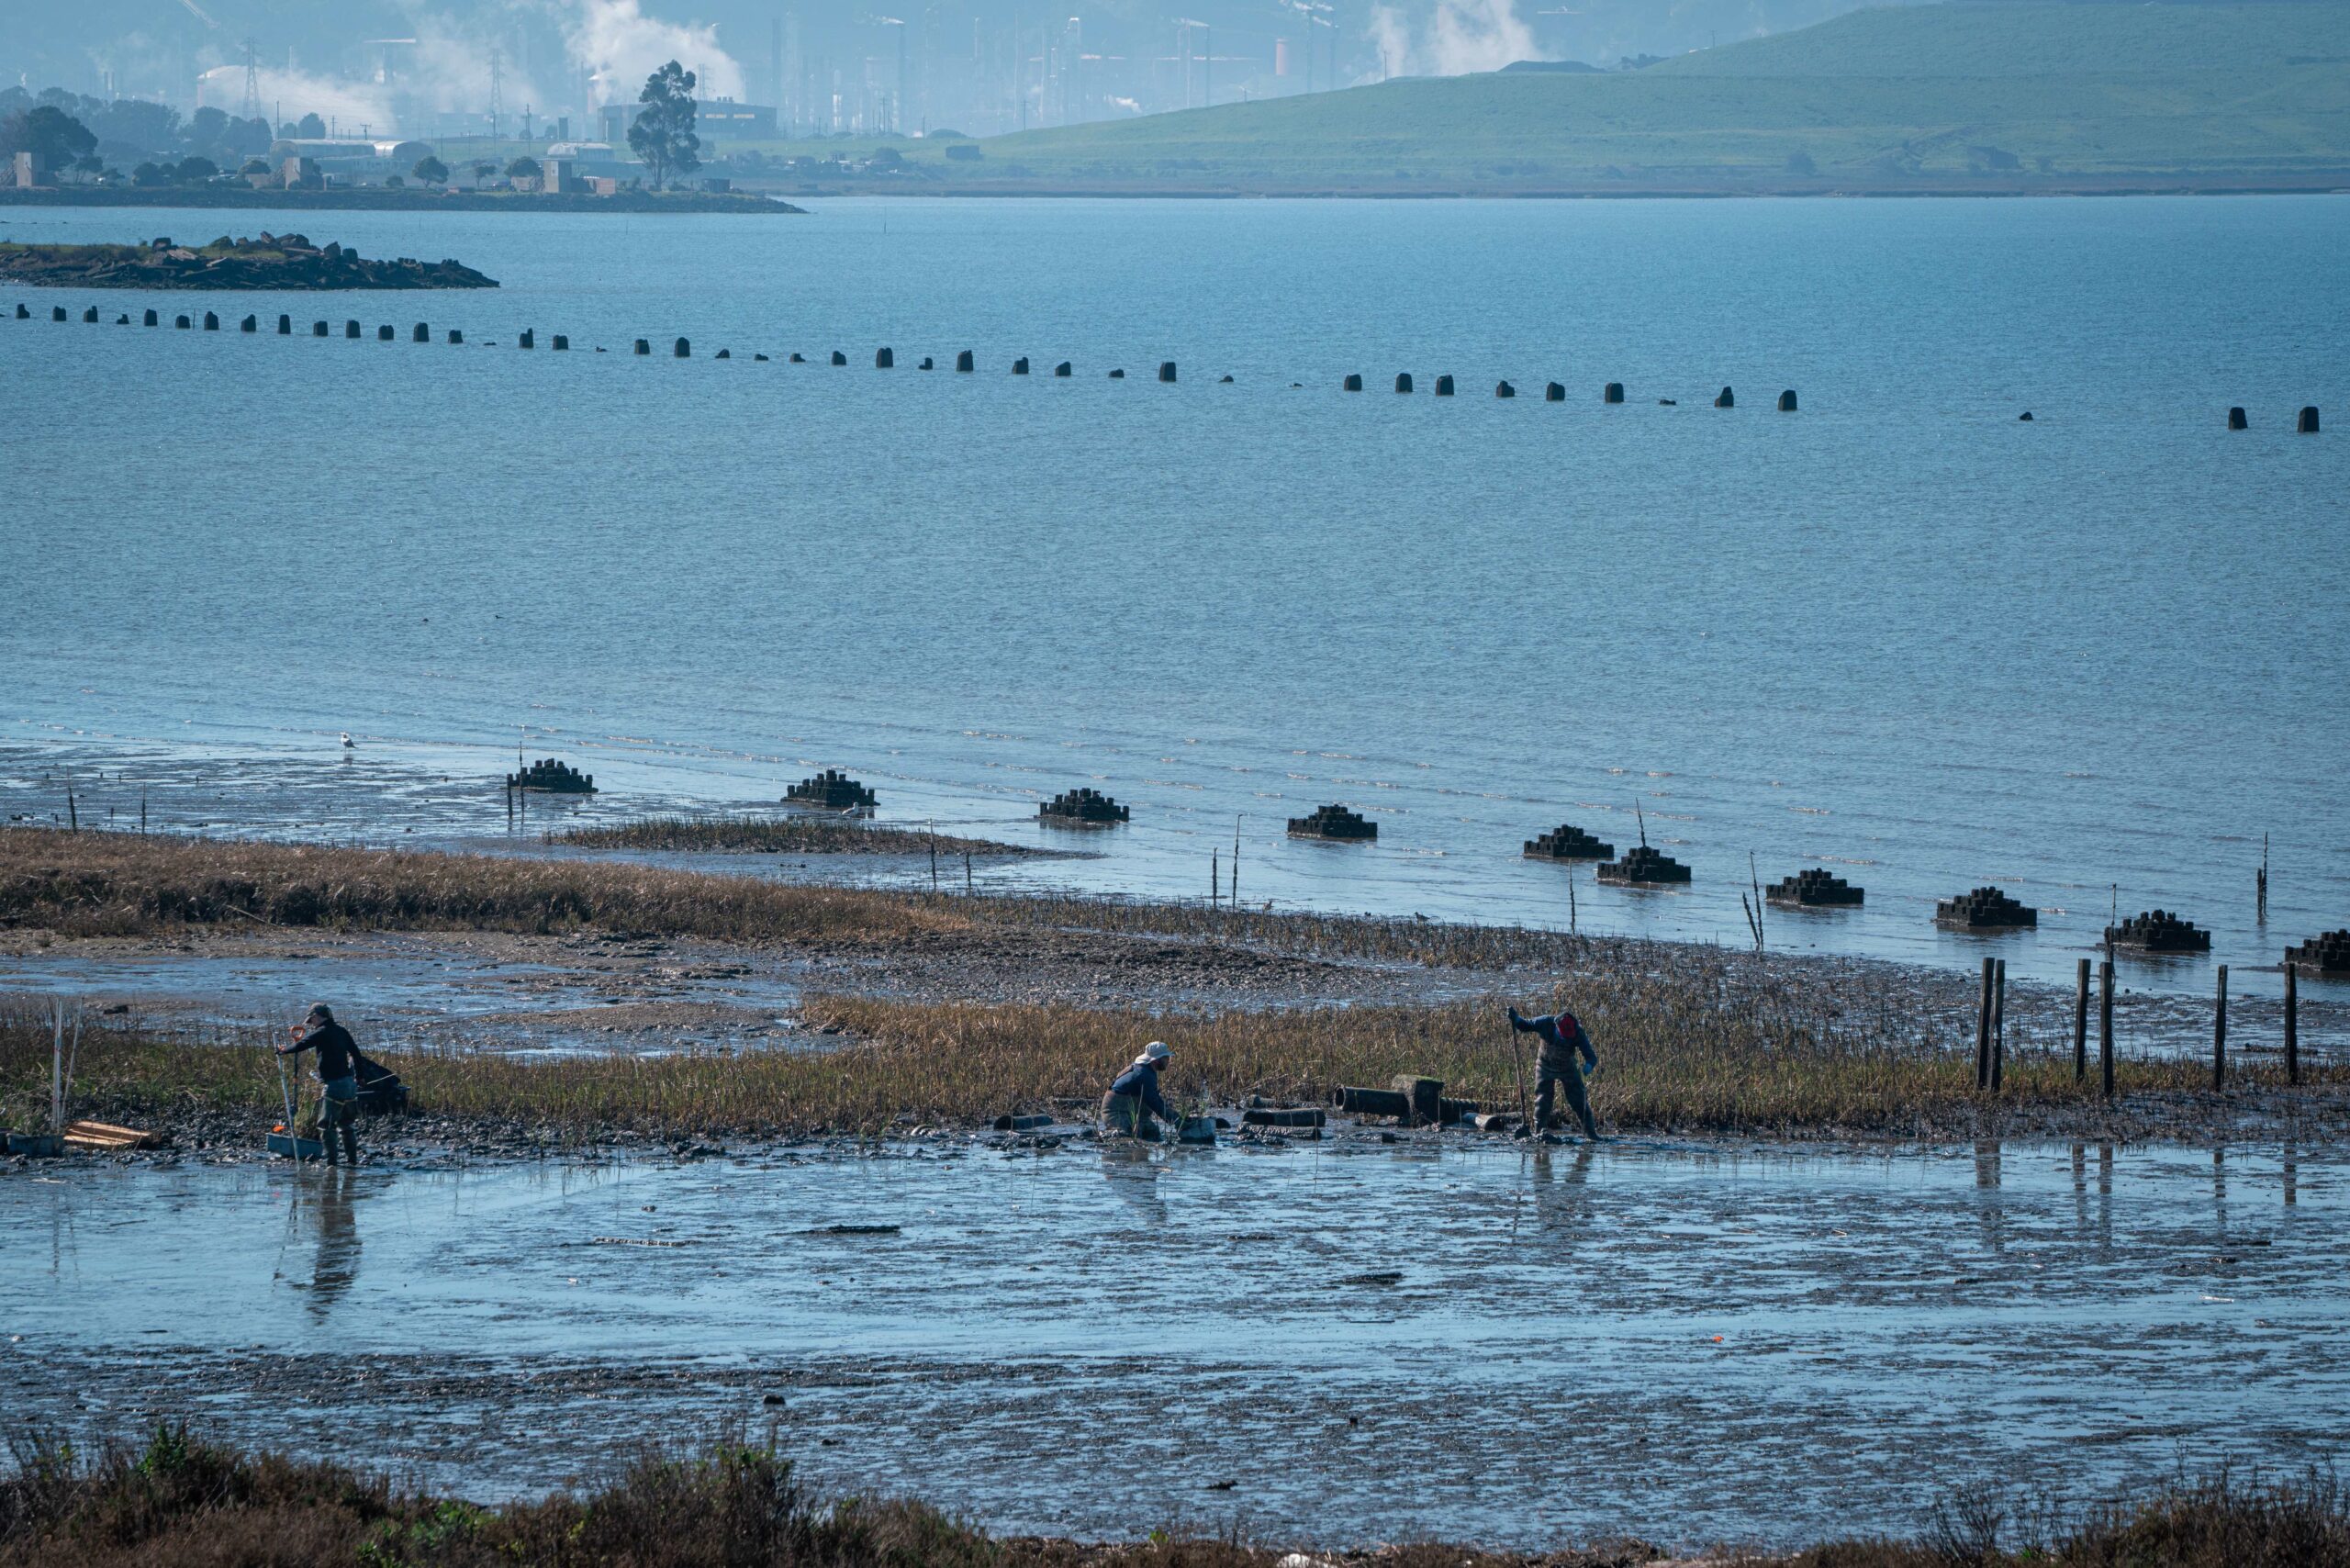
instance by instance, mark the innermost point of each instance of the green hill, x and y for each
(1959, 96)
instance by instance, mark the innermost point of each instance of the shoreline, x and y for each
(371, 199)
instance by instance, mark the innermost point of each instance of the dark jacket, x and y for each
(337, 1052)
(1141, 1081)
(1558, 1029)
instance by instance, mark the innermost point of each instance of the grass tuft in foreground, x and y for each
(733, 1503)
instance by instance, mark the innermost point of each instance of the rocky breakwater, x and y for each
(273, 261)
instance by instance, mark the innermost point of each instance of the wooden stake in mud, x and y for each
(933, 854)
(1233, 902)
(2220, 1034)
(1982, 1031)
(1518, 1061)
(2261, 910)
(143, 816)
(2081, 1022)
(2292, 1023)
(2104, 1024)
(968, 888)
(72, 817)
(1998, 1025)
(1216, 876)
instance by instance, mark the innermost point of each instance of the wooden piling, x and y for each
(284, 326)
(1554, 393)
(2220, 1034)
(1444, 387)
(2237, 421)
(1787, 401)
(885, 359)
(1727, 399)
(384, 333)
(420, 334)
(838, 357)
(250, 324)
(1165, 370)
(149, 319)
(350, 329)
(456, 335)
(318, 328)
(1063, 369)
(1998, 1026)
(211, 320)
(681, 349)
(2306, 425)
(1117, 376)
(1403, 381)
(1982, 1031)
(1613, 393)
(2081, 1022)
(1354, 384)
(2105, 1025)
(57, 312)
(644, 345)
(561, 345)
(1020, 366)
(89, 315)
(2292, 1023)
(963, 361)
(180, 323)
(723, 353)
(1503, 389)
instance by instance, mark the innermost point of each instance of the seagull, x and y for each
(347, 741)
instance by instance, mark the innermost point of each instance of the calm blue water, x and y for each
(1899, 634)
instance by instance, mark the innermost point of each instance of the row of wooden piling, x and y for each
(1990, 1026)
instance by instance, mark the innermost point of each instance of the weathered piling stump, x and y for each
(1165, 370)
(384, 333)
(1554, 393)
(1082, 807)
(57, 312)
(1787, 401)
(1984, 909)
(1334, 822)
(1568, 842)
(122, 320)
(758, 359)
(884, 359)
(1117, 376)
(284, 326)
(318, 328)
(2328, 954)
(2238, 420)
(927, 363)
(1444, 387)
(2081, 1021)
(89, 315)
(211, 320)
(180, 323)
(1354, 384)
(1020, 366)
(350, 330)
(681, 349)
(723, 353)
(1814, 889)
(549, 775)
(1503, 389)
(963, 361)
(562, 344)
(831, 790)
(839, 358)
(2220, 1033)
(250, 324)
(456, 335)
(24, 314)
(149, 319)
(2024, 418)
(420, 334)
(2308, 424)
(2159, 931)
(1613, 393)
(1063, 369)
(529, 340)
(644, 345)
(795, 359)
(1726, 399)
(1642, 867)
(2293, 1020)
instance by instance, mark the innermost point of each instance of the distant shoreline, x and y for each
(2331, 184)
(372, 199)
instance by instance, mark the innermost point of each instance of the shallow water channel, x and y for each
(1695, 1343)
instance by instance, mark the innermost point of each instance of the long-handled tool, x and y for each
(1525, 1113)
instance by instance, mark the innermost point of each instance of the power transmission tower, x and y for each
(253, 84)
(497, 101)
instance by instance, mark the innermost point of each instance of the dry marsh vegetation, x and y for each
(782, 833)
(727, 1502)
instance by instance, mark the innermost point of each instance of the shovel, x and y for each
(285, 1143)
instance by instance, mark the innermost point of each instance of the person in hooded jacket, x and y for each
(1134, 1107)
(1564, 1041)
(337, 1070)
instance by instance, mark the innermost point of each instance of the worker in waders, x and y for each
(339, 1071)
(1134, 1106)
(1563, 1042)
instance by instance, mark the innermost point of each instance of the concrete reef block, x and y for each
(1612, 393)
(420, 334)
(318, 328)
(1444, 387)
(1814, 889)
(2328, 954)
(1554, 393)
(562, 344)
(644, 345)
(681, 349)
(351, 332)
(151, 317)
(1063, 369)
(831, 790)
(1351, 384)
(1568, 842)
(1334, 822)
(963, 362)
(1403, 381)
(1082, 807)
(554, 777)
(1503, 389)
(529, 340)
(1167, 370)
(884, 359)
(89, 315)
(2307, 424)
(1727, 399)
(1020, 367)
(211, 322)
(1644, 867)
(1984, 909)
(2159, 931)
(1787, 401)
(2237, 421)
(284, 326)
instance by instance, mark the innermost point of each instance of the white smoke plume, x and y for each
(621, 45)
(1463, 36)
(292, 95)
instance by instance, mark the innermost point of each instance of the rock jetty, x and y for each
(273, 261)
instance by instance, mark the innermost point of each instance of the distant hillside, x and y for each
(1961, 95)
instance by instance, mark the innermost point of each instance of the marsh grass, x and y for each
(726, 1502)
(1672, 1063)
(786, 834)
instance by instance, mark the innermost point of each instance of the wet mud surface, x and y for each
(1692, 1343)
